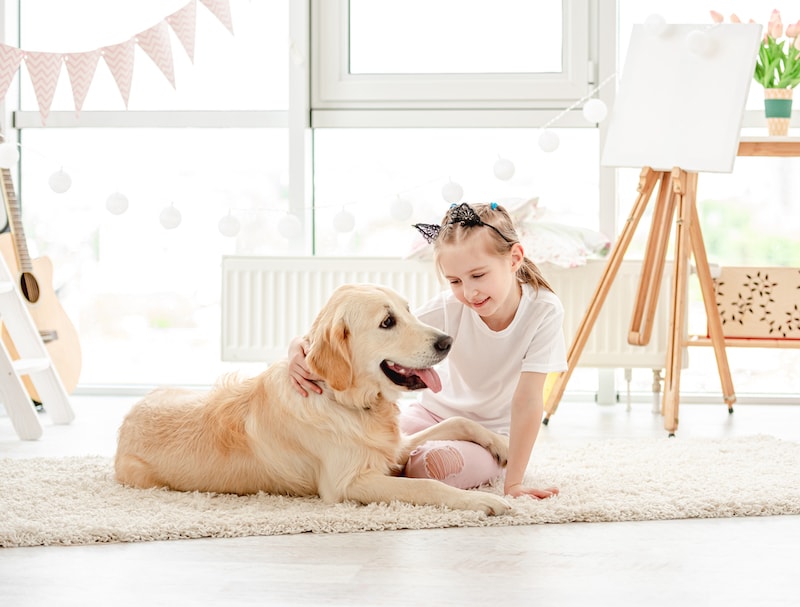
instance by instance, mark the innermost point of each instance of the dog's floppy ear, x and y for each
(329, 354)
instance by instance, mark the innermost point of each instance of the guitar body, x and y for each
(59, 334)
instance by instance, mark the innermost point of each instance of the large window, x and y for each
(321, 108)
(232, 140)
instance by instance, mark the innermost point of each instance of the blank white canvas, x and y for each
(676, 108)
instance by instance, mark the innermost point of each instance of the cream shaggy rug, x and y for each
(76, 500)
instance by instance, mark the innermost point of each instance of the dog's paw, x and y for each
(489, 503)
(498, 447)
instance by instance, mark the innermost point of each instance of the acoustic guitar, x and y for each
(35, 282)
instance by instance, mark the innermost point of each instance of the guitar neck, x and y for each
(15, 221)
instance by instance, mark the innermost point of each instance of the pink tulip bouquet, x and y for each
(778, 63)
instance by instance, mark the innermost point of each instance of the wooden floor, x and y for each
(730, 562)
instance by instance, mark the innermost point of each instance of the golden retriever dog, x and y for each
(259, 434)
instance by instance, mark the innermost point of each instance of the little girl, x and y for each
(506, 327)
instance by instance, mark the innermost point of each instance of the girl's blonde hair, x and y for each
(496, 220)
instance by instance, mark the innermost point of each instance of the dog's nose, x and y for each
(443, 343)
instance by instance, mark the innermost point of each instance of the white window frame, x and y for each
(334, 87)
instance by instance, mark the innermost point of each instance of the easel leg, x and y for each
(684, 188)
(647, 182)
(712, 313)
(644, 310)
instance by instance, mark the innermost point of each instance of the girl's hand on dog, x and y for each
(303, 380)
(540, 494)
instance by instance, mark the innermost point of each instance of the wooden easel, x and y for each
(677, 195)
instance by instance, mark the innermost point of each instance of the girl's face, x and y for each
(481, 279)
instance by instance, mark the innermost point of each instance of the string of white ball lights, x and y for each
(117, 203)
(594, 111)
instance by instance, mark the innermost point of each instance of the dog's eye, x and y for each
(388, 322)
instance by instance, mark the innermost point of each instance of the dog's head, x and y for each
(366, 338)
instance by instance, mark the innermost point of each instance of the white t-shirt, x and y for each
(480, 374)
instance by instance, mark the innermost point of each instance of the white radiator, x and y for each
(608, 345)
(267, 301)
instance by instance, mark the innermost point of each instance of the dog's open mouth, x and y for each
(412, 379)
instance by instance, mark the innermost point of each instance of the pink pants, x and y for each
(457, 463)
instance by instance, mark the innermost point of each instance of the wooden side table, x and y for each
(776, 147)
(769, 146)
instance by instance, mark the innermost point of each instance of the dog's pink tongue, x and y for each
(430, 378)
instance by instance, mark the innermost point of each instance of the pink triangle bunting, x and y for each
(10, 58)
(81, 68)
(221, 10)
(155, 42)
(184, 24)
(119, 59)
(44, 69)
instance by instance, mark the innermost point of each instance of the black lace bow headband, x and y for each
(462, 214)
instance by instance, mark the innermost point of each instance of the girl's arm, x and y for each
(527, 406)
